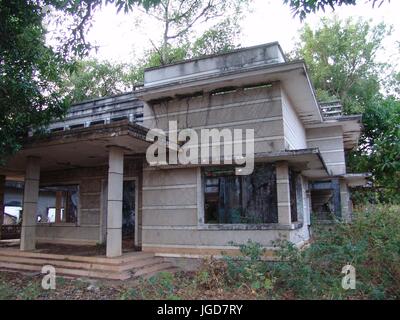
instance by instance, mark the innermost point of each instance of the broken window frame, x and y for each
(273, 214)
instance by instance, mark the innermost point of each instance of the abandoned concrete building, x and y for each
(87, 181)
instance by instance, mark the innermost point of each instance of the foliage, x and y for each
(178, 18)
(218, 39)
(248, 269)
(160, 286)
(93, 79)
(304, 7)
(341, 56)
(30, 70)
(379, 152)
(30, 74)
(370, 244)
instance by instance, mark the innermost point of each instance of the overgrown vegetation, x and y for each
(342, 59)
(371, 244)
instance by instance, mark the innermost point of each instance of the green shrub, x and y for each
(371, 243)
(6, 291)
(248, 269)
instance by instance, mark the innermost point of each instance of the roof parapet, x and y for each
(241, 59)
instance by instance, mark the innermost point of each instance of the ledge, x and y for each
(244, 227)
(58, 224)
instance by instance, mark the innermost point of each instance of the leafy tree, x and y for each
(341, 56)
(93, 79)
(30, 70)
(29, 74)
(379, 151)
(304, 7)
(218, 39)
(179, 17)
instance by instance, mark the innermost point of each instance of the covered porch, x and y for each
(86, 170)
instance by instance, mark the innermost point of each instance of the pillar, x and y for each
(31, 195)
(2, 190)
(283, 193)
(345, 201)
(114, 201)
(337, 203)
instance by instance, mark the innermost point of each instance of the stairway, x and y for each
(131, 265)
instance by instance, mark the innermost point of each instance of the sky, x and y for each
(125, 38)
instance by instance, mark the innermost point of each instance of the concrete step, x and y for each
(139, 264)
(126, 258)
(135, 263)
(69, 272)
(171, 269)
(153, 269)
(131, 264)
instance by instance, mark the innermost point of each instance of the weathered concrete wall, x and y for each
(256, 108)
(87, 228)
(92, 211)
(294, 132)
(330, 142)
(173, 218)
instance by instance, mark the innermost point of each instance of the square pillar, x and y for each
(114, 201)
(31, 196)
(345, 201)
(2, 190)
(283, 193)
(337, 202)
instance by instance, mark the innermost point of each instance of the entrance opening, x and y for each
(129, 215)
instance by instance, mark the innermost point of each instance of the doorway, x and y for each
(129, 214)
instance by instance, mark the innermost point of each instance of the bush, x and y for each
(371, 243)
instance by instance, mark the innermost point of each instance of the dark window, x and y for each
(296, 195)
(248, 199)
(293, 195)
(77, 126)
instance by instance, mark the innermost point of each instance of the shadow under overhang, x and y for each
(307, 161)
(78, 148)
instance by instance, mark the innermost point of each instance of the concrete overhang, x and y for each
(357, 179)
(293, 77)
(78, 148)
(351, 126)
(308, 161)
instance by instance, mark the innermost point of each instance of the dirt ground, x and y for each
(27, 286)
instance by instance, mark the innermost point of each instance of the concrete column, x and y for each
(114, 201)
(283, 193)
(2, 187)
(345, 201)
(31, 195)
